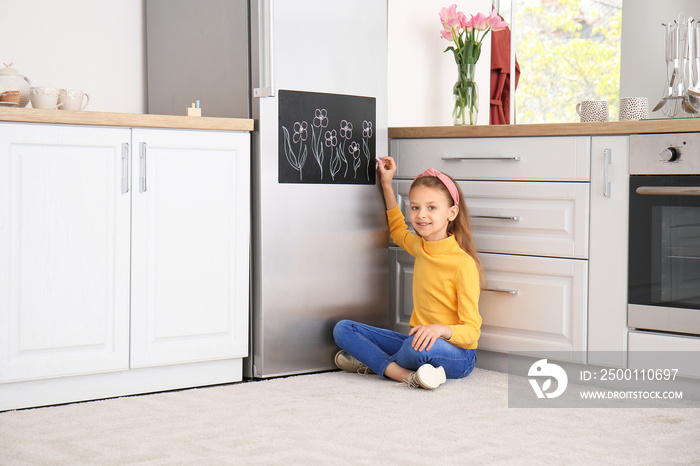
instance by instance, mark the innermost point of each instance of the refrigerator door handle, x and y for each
(266, 69)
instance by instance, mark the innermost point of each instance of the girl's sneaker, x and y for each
(349, 364)
(427, 377)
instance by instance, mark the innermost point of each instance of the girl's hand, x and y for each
(424, 336)
(386, 169)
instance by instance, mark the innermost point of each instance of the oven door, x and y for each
(664, 253)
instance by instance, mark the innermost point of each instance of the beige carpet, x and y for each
(341, 418)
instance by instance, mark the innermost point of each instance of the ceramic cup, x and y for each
(44, 97)
(634, 108)
(593, 110)
(73, 99)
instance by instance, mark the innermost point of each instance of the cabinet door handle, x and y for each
(515, 158)
(125, 167)
(499, 217)
(607, 160)
(142, 157)
(501, 290)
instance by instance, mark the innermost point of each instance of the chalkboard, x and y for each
(326, 138)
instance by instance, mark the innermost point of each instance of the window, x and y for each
(568, 51)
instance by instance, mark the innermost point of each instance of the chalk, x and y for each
(379, 160)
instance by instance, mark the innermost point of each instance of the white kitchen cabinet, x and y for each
(534, 304)
(530, 303)
(64, 251)
(401, 282)
(607, 295)
(124, 260)
(507, 159)
(528, 200)
(532, 218)
(652, 350)
(189, 246)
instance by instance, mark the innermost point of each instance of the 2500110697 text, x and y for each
(638, 374)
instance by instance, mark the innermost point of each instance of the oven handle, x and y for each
(669, 190)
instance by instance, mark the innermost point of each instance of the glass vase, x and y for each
(466, 96)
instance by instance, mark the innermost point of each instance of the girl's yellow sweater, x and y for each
(445, 283)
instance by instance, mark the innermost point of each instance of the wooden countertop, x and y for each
(32, 115)
(685, 125)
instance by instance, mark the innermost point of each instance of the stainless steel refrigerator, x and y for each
(319, 247)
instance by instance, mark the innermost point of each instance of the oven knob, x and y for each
(670, 154)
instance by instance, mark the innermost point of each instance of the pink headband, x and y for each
(449, 184)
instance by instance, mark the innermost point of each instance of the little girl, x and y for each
(445, 323)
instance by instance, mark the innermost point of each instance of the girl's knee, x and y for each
(407, 346)
(408, 357)
(342, 328)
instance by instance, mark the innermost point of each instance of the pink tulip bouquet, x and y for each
(467, 36)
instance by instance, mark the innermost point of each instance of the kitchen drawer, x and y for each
(536, 159)
(650, 350)
(534, 304)
(529, 303)
(531, 218)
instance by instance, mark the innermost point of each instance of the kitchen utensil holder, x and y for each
(682, 55)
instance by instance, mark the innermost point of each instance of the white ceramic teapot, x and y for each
(11, 80)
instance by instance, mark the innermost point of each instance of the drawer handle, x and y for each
(501, 290)
(498, 217)
(515, 158)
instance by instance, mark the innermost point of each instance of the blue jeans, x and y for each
(377, 348)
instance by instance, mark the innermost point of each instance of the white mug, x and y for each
(44, 97)
(593, 110)
(634, 108)
(72, 99)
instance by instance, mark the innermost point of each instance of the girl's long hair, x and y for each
(460, 226)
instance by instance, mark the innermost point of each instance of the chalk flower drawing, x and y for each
(300, 134)
(366, 135)
(345, 135)
(320, 121)
(332, 142)
(354, 150)
(335, 144)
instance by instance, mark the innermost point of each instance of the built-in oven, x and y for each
(664, 233)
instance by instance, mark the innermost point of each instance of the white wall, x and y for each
(421, 76)
(642, 67)
(96, 46)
